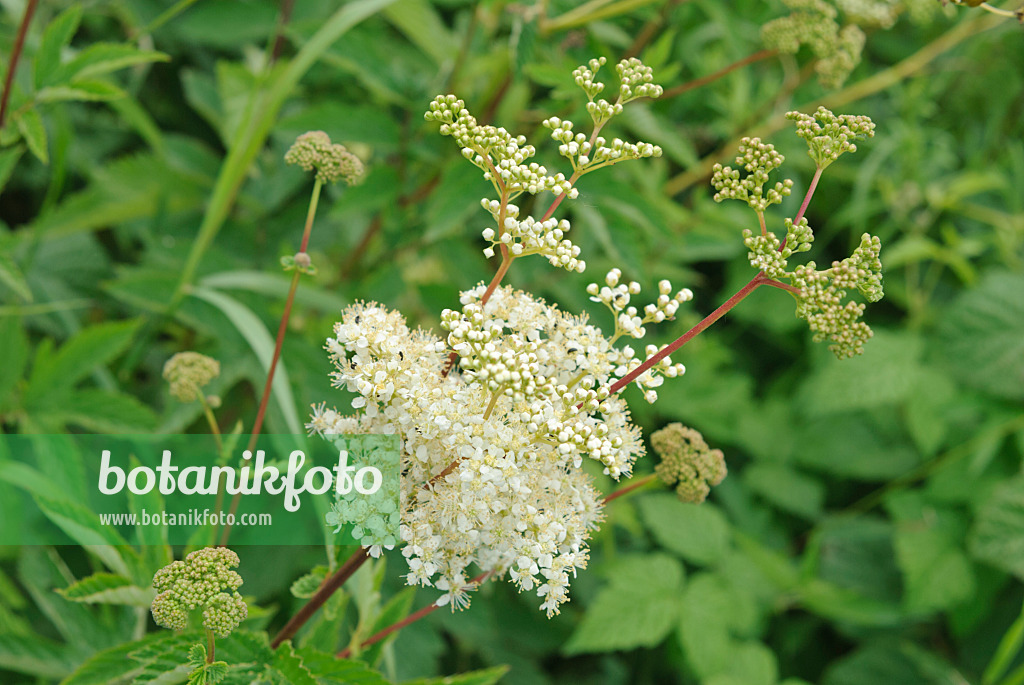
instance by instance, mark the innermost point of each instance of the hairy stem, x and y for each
(19, 44)
(323, 593)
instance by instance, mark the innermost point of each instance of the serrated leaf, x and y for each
(30, 124)
(486, 676)
(83, 91)
(89, 348)
(114, 665)
(106, 411)
(998, 534)
(83, 526)
(287, 668)
(637, 610)
(108, 588)
(56, 37)
(103, 58)
(707, 619)
(697, 532)
(331, 670)
(982, 336)
(306, 585)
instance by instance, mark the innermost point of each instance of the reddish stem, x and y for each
(758, 280)
(411, 618)
(323, 593)
(19, 44)
(625, 490)
(704, 80)
(807, 197)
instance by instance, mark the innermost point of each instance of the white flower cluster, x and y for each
(492, 451)
(585, 155)
(635, 81)
(616, 296)
(529, 237)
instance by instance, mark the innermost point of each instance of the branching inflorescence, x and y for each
(492, 447)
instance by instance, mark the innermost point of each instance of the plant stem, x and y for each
(19, 44)
(626, 489)
(705, 80)
(758, 280)
(328, 588)
(282, 329)
(807, 197)
(411, 618)
(210, 647)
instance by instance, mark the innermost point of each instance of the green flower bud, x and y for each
(687, 462)
(188, 373)
(205, 580)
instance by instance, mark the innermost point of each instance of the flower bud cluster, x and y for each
(205, 579)
(529, 237)
(332, 161)
(833, 136)
(822, 294)
(188, 373)
(687, 462)
(769, 255)
(813, 23)
(758, 159)
(636, 80)
(616, 296)
(502, 156)
(585, 155)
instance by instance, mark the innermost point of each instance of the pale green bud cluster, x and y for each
(188, 373)
(636, 80)
(769, 255)
(813, 23)
(205, 579)
(758, 159)
(332, 161)
(833, 136)
(586, 156)
(687, 462)
(874, 13)
(822, 294)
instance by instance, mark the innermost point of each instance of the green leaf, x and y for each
(395, 610)
(8, 160)
(83, 526)
(638, 609)
(255, 333)
(331, 670)
(88, 349)
(982, 336)
(882, 662)
(30, 124)
(106, 411)
(697, 532)
(287, 668)
(421, 25)
(56, 37)
(713, 612)
(114, 665)
(786, 488)
(936, 573)
(305, 586)
(276, 285)
(885, 374)
(15, 357)
(11, 276)
(35, 655)
(108, 588)
(485, 676)
(998, 534)
(84, 91)
(103, 58)
(749, 663)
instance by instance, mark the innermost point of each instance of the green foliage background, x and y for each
(871, 529)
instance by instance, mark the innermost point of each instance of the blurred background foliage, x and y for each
(871, 529)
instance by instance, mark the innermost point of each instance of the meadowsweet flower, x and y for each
(828, 135)
(332, 161)
(813, 23)
(205, 580)
(188, 373)
(758, 159)
(687, 462)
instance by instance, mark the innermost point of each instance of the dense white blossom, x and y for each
(492, 451)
